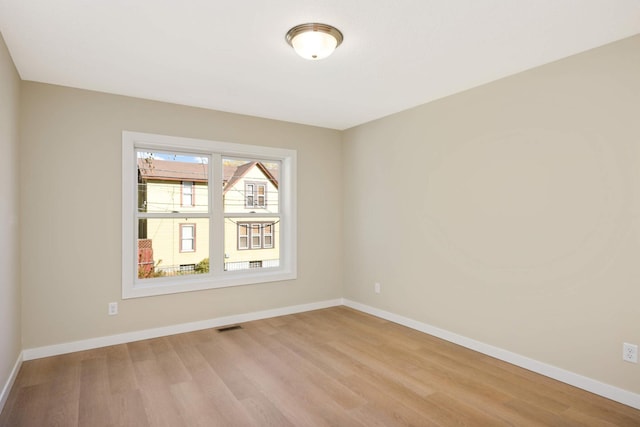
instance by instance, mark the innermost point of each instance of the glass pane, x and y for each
(242, 253)
(186, 245)
(187, 231)
(162, 251)
(172, 182)
(250, 185)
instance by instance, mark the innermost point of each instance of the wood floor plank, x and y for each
(128, 409)
(94, 408)
(29, 408)
(63, 404)
(264, 412)
(330, 367)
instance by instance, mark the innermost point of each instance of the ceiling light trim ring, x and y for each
(314, 26)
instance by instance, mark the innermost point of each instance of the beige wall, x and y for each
(509, 213)
(10, 344)
(71, 176)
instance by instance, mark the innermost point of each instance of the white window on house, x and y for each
(255, 195)
(255, 235)
(261, 196)
(187, 193)
(250, 194)
(187, 237)
(243, 237)
(267, 236)
(162, 176)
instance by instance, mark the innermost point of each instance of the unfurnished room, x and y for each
(319, 213)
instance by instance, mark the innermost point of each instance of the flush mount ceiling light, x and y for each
(313, 40)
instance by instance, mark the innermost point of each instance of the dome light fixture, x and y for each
(313, 40)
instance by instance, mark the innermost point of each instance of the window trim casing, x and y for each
(217, 277)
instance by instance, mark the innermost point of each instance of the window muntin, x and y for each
(216, 204)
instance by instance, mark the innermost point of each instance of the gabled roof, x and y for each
(242, 170)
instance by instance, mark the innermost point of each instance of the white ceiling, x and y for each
(232, 55)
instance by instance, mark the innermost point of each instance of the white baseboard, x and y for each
(12, 378)
(602, 389)
(70, 347)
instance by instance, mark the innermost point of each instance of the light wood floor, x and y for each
(335, 367)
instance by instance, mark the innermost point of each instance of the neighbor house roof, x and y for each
(241, 171)
(167, 170)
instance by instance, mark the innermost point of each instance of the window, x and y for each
(267, 236)
(187, 237)
(177, 192)
(259, 234)
(255, 195)
(187, 268)
(187, 193)
(243, 236)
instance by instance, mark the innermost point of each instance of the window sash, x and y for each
(187, 193)
(187, 237)
(216, 277)
(249, 195)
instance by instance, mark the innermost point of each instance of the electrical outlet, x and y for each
(376, 287)
(113, 308)
(630, 353)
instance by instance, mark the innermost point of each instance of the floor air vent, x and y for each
(229, 328)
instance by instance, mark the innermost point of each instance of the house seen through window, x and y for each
(171, 223)
(206, 214)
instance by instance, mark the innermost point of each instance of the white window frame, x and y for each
(252, 189)
(245, 236)
(132, 287)
(265, 235)
(249, 191)
(191, 239)
(262, 234)
(190, 185)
